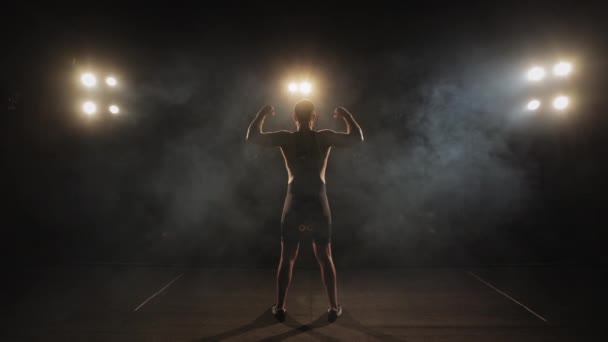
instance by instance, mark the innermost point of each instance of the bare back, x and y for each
(305, 151)
(306, 207)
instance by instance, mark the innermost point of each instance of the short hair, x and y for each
(303, 111)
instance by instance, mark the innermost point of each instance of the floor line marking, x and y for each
(159, 292)
(506, 295)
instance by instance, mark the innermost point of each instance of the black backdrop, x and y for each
(452, 171)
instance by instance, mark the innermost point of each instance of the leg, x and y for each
(328, 271)
(289, 252)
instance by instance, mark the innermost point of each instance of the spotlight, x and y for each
(562, 69)
(89, 108)
(561, 102)
(114, 109)
(111, 81)
(305, 87)
(88, 79)
(292, 87)
(536, 73)
(533, 105)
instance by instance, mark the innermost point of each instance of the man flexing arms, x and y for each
(306, 210)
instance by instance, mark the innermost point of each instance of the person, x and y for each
(306, 212)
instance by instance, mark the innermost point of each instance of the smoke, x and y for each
(177, 181)
(437, 172)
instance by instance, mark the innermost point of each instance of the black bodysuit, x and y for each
(306, 210)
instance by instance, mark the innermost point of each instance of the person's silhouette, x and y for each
(306, 210)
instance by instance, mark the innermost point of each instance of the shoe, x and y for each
(279, 314)
(333, 314)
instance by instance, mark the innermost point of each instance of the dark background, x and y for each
(452, 172)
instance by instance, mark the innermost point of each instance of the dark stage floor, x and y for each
(142, 303)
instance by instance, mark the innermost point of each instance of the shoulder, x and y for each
(325, 132)
(284, 137)
(282, 133)
(324, 136)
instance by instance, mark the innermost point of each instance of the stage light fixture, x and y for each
(305, 87)
(292, 87)
(114, 109)
(111, 81)
(561, 102)
(89, 108)
(88, 79)
(536, 73)
(533, 105)
(562, 69)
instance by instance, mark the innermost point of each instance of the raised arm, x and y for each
(352, 136)
(256, 136)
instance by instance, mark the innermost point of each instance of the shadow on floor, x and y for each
(299, 328)
(266, 319)
(348, 321)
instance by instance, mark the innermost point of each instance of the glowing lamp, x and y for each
(88, 79)
(561, 102)
(89, 108)
(533, 105)
(114, 109)
(536, 74)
